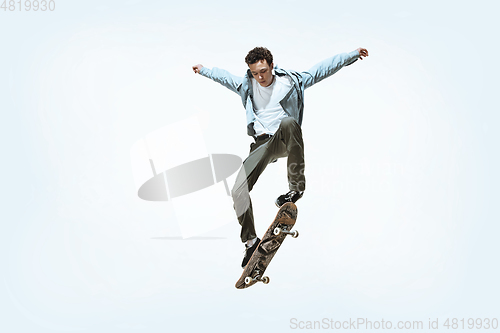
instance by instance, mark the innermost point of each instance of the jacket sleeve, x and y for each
(223, 77)
(328, 67)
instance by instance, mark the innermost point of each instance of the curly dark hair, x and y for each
(257, 54)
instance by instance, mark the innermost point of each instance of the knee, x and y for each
(289, 123)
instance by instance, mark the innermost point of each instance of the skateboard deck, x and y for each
(268, 246)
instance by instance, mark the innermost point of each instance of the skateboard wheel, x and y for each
(248, 280)
(295, 234)
(277, 231)
(266, 279)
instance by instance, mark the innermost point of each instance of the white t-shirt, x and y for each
(266, 103)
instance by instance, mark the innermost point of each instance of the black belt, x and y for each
(262, 137)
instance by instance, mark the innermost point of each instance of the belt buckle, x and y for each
(262, 137)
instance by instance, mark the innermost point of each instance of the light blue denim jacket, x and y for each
(293, 102)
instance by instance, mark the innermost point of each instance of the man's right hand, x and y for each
(197, 68)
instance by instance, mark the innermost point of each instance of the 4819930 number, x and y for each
(28, 5)
(471, 323)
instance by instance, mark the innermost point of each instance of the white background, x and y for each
(400, 217)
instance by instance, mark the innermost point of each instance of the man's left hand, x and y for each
(362, 53)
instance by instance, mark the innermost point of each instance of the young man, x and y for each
(274, 102)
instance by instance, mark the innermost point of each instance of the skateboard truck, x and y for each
(278, 231)
(264, 279)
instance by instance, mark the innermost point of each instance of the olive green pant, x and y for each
(287, 141)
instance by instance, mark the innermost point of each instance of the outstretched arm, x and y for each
(221, 76)
(331, 66)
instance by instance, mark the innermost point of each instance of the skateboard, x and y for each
(270, 243)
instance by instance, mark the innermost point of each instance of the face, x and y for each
(262, 72)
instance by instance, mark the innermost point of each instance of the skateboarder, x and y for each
(273, 99)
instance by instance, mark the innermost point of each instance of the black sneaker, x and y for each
(291, 196)
(248, 252)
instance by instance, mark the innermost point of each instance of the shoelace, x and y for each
(246, 249)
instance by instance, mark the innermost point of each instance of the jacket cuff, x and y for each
(204, 71)
(354, 54)
(353, 57)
